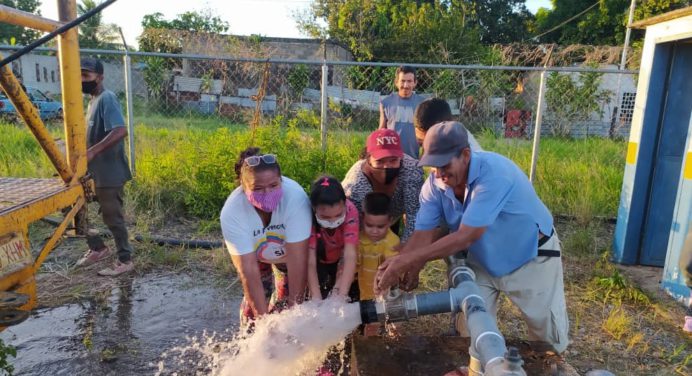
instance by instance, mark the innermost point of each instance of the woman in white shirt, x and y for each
(266, 224)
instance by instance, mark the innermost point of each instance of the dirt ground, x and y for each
(619, 319)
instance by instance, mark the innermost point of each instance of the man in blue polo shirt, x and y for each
(502, 223)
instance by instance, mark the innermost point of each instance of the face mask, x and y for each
(88, 87)
(390, 174)
(265, 201)
(331, 224)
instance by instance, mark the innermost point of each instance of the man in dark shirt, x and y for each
(108, 167)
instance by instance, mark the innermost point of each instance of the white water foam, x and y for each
(293, 342)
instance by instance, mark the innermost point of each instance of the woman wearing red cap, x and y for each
(386, 169)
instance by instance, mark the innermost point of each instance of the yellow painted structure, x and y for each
(25, 200)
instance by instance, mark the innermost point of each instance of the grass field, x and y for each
(185, 164)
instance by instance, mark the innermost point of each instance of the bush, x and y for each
(191, 171)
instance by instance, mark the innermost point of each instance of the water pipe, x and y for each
(487, 344)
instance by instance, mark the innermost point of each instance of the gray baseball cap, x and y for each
(92, 65)
(443, 141)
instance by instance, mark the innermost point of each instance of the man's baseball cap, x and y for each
(384, 143)
(92, 65)
(443, 142)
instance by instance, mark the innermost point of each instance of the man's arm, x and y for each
(390, 271)
(296, 262)
(420, 239)
(112, 138)
(450, 244)
(383, 118)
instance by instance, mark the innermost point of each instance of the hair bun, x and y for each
(249, 152)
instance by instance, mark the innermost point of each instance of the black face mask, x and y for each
(390, 174)
(88, 87)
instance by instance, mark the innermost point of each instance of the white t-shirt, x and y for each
(244, 232)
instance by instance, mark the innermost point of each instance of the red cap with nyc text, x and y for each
(384, 143)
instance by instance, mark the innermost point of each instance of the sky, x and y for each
(270, 18)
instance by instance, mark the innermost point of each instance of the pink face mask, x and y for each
(265, 201)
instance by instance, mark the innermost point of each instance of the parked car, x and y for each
(48, 107)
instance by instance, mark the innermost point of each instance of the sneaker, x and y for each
(117, 269)
(92, 257)
(688, 324)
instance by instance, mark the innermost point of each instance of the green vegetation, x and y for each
(185, 165)
(7, 352)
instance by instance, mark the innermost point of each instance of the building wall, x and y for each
(42, 72)
(627, 230)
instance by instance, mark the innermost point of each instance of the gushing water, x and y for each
(293, 342)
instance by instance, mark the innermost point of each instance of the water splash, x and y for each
(293, 342)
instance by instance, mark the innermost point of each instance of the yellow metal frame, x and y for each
(72, 167)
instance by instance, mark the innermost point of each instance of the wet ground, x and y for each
(126, 331)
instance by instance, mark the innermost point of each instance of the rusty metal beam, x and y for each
(71, 85)
(18, 217)
(57, 234)
(20, 18)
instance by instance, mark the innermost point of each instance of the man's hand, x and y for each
(392, 269)
(409, 281)
(90, 155)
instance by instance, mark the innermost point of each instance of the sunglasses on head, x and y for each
(254, 160)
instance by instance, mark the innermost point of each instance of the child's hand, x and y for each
(338, 295)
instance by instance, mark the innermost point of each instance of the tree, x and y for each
(501, 21)
(396, 30)
(11, 34)
(572, 100)
(157, 37)
(603, 25)
(202, 21)
(93, 33)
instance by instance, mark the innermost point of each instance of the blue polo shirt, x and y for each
(498, 197)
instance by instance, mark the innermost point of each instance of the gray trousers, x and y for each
(537, 290)
(111, 207)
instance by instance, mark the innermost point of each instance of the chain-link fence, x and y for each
(166, 88)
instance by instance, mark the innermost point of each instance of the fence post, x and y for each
(623, 60)
(324, 108)
(130, 115)
(537, 128)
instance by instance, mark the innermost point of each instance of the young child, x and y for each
(377, 241)
(333, 243)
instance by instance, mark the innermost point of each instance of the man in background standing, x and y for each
(108, 167)
(396, 110)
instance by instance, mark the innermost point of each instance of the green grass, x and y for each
(185, 165)
(21, 155)
(581, 178)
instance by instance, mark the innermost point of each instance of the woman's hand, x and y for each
(249, 274)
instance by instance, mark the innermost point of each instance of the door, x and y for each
(672, 126)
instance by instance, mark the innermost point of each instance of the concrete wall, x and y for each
(42, 72)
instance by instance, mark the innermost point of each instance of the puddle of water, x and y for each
(127, 333)
(177, 325)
